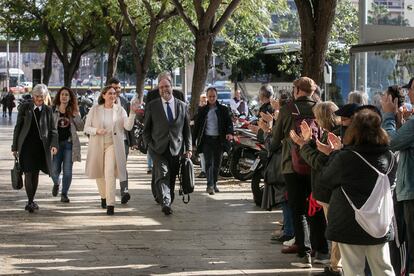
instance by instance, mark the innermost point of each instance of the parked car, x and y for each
(224, 94)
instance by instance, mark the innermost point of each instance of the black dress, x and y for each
(32, 156)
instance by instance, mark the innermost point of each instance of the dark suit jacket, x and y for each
(155, 94)
(159, 134)
(225, 125)
(48, 132)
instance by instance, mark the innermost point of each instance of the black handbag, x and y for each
(16, 175)
(273, 172)
(186, 177)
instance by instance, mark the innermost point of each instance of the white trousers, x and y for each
(106, 185)
(378, 257)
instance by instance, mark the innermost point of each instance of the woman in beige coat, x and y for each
(106, 160)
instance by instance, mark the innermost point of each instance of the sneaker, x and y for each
(64, 198)
(210, 190)
(281, 239)
(321, 258)
(289, 242)
(302, 262)
(201, 175)
(327, 271)
(55, 190)
(125, 198)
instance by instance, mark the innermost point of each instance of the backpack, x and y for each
(375, 216)
(186, 177)
(298, 164)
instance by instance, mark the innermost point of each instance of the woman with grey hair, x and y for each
(358, 97)
(35, 140)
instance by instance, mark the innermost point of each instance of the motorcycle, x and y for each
(85, 103)
(244, 158)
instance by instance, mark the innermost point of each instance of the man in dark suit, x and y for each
(167, 134)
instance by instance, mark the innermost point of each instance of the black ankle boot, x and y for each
(110, 210)
(103, 203)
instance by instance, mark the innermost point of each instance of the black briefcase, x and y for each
(16, 175)
(186, 177)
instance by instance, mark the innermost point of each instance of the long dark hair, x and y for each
(101, 100)
(72, 107)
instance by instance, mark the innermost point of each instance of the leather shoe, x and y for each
(103, 203)
(125, 198)
(64, 198)
(55, 190)
(290, 249)
(166, 210)
(110, 210)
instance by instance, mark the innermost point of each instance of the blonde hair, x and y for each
(325, 114)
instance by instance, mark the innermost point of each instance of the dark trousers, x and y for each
(409, 226)
(213, 153)
(317, 224)
(124, 184)
(31, 180)
(165, 170)
(299, 188)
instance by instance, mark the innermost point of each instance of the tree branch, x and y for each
(149, 9)
(186, 19)
(226, 15)
(199, 11)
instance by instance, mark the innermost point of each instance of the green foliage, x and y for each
(380, 15)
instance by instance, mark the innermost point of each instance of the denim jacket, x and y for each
(402, 140)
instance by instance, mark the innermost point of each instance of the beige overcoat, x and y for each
(95, 158)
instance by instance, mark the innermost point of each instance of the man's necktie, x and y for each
(169, 113)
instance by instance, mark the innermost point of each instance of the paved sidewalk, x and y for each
(224, 234)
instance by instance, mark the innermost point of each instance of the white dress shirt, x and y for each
(171, 103)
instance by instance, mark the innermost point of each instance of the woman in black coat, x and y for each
(349, 172)
(35, 139)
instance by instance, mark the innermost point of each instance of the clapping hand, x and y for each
(388, 105)
(296, 138)
(53, 150)
(275, 104)
(324, 148)
(334, 141)
(264, 125)
(267, 117)
(306, 131)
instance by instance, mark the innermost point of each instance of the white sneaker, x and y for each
(289, 242)
(302, 262)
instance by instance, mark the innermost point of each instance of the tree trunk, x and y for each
(202, 56)
(113, 53)
(316, 21)
(47, 69)
(70, 68)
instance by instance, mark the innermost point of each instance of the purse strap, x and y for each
(37, 124)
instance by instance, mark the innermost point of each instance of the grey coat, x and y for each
(76, 124)
(47, 129)
(159, 135)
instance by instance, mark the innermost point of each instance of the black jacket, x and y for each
(345, 169)
(48, 132)
(225, 125)
(317, 160)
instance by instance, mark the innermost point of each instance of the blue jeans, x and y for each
(64, 155)
(287, 220)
